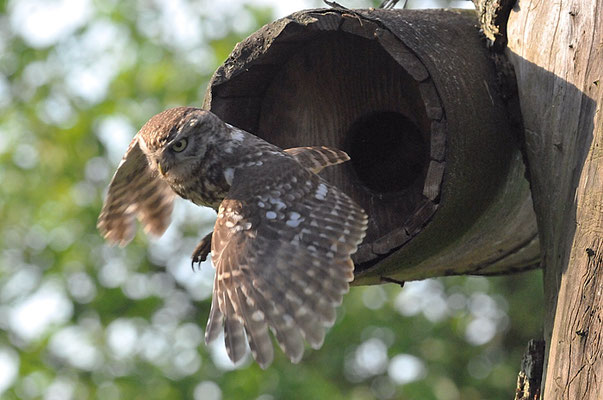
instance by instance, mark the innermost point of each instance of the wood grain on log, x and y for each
(413, 98)
(557, 52)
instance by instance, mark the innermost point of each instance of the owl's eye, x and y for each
(180, 145)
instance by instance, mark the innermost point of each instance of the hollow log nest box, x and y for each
(413, 97)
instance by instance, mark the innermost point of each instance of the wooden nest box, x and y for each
(414, 99)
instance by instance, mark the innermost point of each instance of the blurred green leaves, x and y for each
(80, 319)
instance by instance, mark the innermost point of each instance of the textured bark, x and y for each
(557, 52)
(530, 375)
(493, 16)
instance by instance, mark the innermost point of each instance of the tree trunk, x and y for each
(556, 49)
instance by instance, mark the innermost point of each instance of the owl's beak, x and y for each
(161, 171)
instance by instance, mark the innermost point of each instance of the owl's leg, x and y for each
(201, 251)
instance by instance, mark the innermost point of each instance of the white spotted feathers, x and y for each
(297, 267)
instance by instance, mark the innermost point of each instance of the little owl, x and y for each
(283, 237)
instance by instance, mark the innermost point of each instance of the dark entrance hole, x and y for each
(388, 151)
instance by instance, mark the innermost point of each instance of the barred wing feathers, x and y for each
(281, 248)
(315, 158)
(135, 192)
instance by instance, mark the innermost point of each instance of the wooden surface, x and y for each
(414, 98)
(529, 379)
(493, 16)
(557, 51)
(312, 102)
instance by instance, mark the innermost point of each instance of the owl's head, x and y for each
(176, 140)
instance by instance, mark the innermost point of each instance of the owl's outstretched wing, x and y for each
(315, 158)
(281, 247)
(135, 192)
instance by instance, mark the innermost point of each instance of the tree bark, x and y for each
(530, 375)
(557, 51)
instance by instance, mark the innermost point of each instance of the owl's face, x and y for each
(175, 142)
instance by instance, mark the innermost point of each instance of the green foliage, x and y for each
(81, 320)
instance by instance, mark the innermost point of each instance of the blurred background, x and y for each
(80, 319)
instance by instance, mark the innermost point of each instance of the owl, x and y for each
(283, 236)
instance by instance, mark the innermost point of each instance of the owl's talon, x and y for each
(201, 251)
